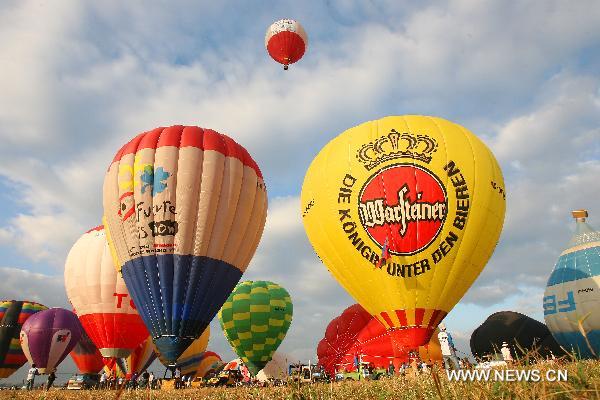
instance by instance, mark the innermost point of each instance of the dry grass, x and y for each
(583, 383)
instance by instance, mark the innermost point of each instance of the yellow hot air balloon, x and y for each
(405, 212)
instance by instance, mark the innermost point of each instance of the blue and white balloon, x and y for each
(572, 295)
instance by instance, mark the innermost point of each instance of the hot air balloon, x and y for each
(100, 297)
(140, 358)
(12, 316)
(572, 295)
(355, 332)
(86, 355)
(185, 208)
(48, 336)
(255, 319)
(189, 361)
(405, 212)
(210, 362)
(522, 333)
(286, 41)
(277, 368)
(238, 364)
(340, 336)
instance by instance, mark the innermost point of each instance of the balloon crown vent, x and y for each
(396, 145)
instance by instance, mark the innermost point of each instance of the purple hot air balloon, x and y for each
(48, 336)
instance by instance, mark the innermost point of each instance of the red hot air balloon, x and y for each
(98, 293)
(356, 333)
(48, 336)
(286, 41)
(340, 335)
(86, 355)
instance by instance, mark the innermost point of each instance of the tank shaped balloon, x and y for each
(522, 333)
(572, 295)
(405, 212)
(48, 336)
(185, 209)
(13, 314)
(255, 319)
(286, 41)
(100, 298)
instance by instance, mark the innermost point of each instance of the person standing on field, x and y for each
(31, 376)
(448, 349)
(506, 353)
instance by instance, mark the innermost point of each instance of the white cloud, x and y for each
(79, 79)
(21, 284)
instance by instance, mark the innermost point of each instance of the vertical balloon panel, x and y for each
(420, 192)
(185, 208)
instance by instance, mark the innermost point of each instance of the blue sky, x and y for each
(79, 78)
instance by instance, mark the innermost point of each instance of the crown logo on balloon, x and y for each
(396, 145)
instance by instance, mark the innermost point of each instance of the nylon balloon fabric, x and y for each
(405, 212)
(185, 209)
(255, 319)
(13, 314)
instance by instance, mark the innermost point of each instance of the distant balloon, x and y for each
(286, 41)
(572, 296)
(140, 358)
(100, 297)
(355, 332)
(405, 212)
(191, 358)
(48, 336)
(12, 316)
(209, 362)
(185, 209)
(255, 319)
(522, 333)
(239, 365)
(86, 355)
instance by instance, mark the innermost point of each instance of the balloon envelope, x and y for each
(522, 333)
(185, 209)
(191, 358)
(13, 314)
(140, 358)
(286, 41)
(209, 362)
(255, 319)
(360, 334)
(572, 295)
(48, 336)
(101, 299)
(86, 355)
(423, 194)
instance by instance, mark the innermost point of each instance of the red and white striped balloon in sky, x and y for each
(286, 41)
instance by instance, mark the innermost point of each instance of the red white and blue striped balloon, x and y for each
(184, 210)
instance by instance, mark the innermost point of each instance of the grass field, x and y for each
(583, 383)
